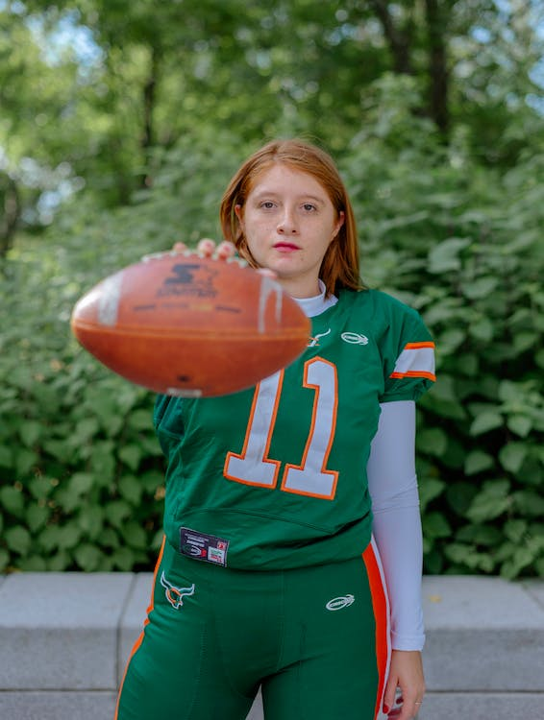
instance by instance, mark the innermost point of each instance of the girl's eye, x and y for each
(267, 204)
(309, 207)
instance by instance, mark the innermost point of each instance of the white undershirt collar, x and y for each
(317, 304)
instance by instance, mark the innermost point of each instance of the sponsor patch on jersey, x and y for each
(200, 546)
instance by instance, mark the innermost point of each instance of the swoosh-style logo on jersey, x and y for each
(175, 595)
(314, 342)
(354, 338)
(339, 603)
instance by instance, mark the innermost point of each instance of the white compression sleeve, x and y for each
(392, 484)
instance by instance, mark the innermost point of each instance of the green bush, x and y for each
(463, 244)
(80, 468)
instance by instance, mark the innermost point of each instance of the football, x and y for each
(182, 324)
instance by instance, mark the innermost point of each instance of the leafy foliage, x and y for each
(142, 124)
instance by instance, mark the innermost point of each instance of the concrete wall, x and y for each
(65, 639)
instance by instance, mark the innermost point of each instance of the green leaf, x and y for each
(491, 502)
(151, 480)
(482, 330)
(12, 500)
(435, 525)
(480, 288)
(432, 441)
(131, 455)
(30, 432)
(519, 424)
(123, 559)
(32, 563)
(87, 557)
(81, 483)
(59, 562)
(486, 421)
(512, 456)
(18, 539)
(6, 459)
(449, 341)
(134, 535)
(477, 461)
(522, 558)
(37, 516)
(140, 420)
(24, 460)
(529, 503)
(509, 392)
(40, 487)
(4, 560)
(429, 489)
(69, 536)
(515, 530)
(487, 535)
(460, 496)
(526, 341)
(103, 462)
(49, 538)
(131, 489)
(117, 512)
(91, 520)
(444, 257)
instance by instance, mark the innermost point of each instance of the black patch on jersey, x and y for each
(199, 546)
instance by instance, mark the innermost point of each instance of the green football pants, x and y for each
(315, 639)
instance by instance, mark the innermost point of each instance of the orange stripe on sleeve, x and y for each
(416, 345)
(415, 361)
(414, 374)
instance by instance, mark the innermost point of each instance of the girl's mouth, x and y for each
(285, 246)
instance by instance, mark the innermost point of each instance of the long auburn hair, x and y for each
(340, 266)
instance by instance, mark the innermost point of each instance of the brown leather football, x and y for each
(181, 324)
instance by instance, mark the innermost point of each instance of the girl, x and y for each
(284, 501)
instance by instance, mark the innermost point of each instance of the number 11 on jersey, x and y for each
(253, 466)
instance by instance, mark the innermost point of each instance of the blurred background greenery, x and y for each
(120, 124)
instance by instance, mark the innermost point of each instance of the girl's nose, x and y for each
(287, 224)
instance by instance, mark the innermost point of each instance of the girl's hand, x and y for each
(223, 251)
(208, 248)
(406, 673)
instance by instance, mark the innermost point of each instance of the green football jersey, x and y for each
(274, 477)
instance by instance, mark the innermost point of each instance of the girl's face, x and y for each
(289, 222)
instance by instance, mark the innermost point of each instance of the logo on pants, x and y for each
(175, 595)
(339, 603)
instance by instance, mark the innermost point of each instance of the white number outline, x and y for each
(310, 478)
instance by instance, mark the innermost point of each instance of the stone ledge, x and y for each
(57, 705)
(66, 632)
(473, 624)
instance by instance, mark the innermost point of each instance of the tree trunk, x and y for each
(399, 40)
(437, 19)
(149, 102)
(11, 210)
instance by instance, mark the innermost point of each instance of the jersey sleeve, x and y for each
(408, 355)
(159, 409)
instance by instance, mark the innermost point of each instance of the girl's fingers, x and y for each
(225, 250)
(206, 247)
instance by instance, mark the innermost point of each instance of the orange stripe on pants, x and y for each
(380, 606)
(146, 622)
